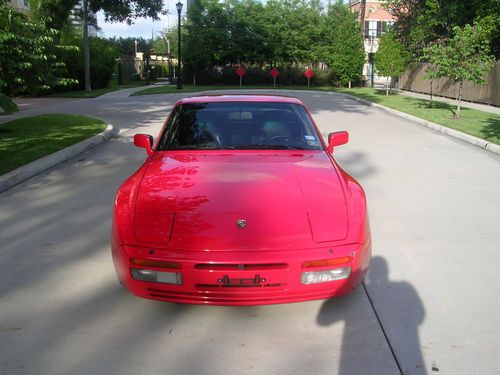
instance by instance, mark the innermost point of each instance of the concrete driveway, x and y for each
(431, 301)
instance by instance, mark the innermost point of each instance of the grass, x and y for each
(30, 138)
(480, 124)
(95, 93)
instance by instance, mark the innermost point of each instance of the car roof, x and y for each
(240, 98)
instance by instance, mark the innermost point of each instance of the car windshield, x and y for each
(239, 125)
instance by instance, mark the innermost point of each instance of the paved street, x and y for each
(431, 301)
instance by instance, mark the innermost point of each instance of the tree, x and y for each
(295, 34)
(197, 46)
(391, 58)
(161, 46)
(55, 12)
(104, 53)
(115, 11)
(344, 53)
(28, 61)
(465, 56)
(230, 32)
(421, 22)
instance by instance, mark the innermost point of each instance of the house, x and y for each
(21, 5)
(375, 19)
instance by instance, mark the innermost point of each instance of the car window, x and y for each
(240, 125)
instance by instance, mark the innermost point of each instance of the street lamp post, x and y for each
(169, 55)
(179, 58)
(372, 61)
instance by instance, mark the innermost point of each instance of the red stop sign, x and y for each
(309, 73)
(275, 72)
(241, 71)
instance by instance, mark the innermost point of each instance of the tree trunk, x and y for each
(194, 79)
(430, 101)
(387, 87)
(86, 53)
(460, 89)
(349, 84)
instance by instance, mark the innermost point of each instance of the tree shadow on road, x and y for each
(400, 311)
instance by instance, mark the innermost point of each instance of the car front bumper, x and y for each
(240, 277)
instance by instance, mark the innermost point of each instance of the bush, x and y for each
(103, 55)
(257, 76)
(8, 106)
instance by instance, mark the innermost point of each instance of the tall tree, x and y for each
(465, 56)
(116, 11)
(295, 29)
(421, 22)
(391, 58)
(58, 13)
(197, 46)
(344, 52)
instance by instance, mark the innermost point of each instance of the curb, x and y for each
(491, 147)
(27, 171)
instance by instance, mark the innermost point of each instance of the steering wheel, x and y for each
(277, 139)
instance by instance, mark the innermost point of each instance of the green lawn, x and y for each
(95, 93)
(480, 124)
(30, 138)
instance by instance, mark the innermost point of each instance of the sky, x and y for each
(142, 27)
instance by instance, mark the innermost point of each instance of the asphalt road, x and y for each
(430, 304)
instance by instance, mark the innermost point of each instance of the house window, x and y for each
(373, 29)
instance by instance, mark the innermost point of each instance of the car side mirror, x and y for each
(337, 139)
(144, 141)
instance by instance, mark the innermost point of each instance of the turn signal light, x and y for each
(315, 277)
(153, 276)
(155, 263)
(326, 262)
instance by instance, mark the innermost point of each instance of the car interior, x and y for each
(241, 128)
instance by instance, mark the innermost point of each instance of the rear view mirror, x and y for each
(144, 141)
(337, 139)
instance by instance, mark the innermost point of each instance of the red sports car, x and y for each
(240, 202)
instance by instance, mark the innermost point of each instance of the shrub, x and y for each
(103, 55)
(258, 76)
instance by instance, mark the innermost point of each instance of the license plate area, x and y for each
(227, 281)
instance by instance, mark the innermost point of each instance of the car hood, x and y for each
(194, 200)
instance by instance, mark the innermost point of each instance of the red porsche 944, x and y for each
(240, 202)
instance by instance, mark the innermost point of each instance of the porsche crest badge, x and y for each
(241, 223)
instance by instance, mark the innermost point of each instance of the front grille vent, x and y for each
(241, 267)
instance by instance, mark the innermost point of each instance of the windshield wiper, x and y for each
(261, 146)
(195, 147)
(215, 148)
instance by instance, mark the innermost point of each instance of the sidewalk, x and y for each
(478, 106)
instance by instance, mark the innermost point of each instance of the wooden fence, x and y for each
(412, 80)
